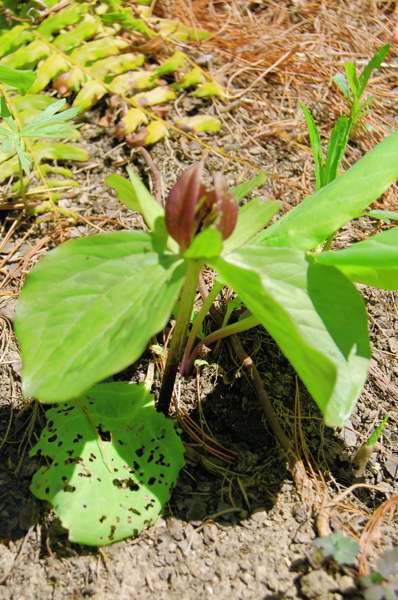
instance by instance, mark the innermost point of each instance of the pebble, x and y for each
(175, 528)
(316, 585)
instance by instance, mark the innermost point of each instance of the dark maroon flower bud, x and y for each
(226, 206)
(190, 208)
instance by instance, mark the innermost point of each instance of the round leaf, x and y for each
(113, 463)
(88, 309)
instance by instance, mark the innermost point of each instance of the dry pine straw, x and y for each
(269, 56)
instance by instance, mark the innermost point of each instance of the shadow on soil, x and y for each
(208, 488)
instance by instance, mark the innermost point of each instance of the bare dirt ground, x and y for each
(236, 527)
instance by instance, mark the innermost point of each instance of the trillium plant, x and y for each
(91, 307)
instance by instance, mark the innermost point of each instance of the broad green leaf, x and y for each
(314, 313)
(16, 78)
(316, 146)
(383, 215)
(252, 218)
(244, 189)
(319, 216)
(372, 262)
(207, 244)
(124, 191)
(112, 462)
(95, 302)
(374, 63)
(149, 208)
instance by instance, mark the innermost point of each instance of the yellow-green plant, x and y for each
(81, 52)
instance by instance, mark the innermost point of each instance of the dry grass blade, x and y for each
(372, 529)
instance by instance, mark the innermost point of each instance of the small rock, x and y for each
(175, 528)
(210, 534)
(345, 584)
(391, 465)
(260, 517)
(349, 435)
(300, 514)
(393, 343)
(316, 585)
(302, 538)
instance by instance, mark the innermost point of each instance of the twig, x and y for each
(157, 178)
(296, 466)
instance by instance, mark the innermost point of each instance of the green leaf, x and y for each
(336, 148)
(244, 189)
(149, 208)
(352, 79)
(319, 216)
(177, 62)
(342, 548)
(18, 79)
(58, 151)
(314, 313)
(207, 244)
(383, 215)
(95, 303)
(50, 124)
(208, 90)
(124, 191)
(136, 196)
(13, 38)
(252, 218)
(316, 145)
(372, 262)
(112, 462)
(374, 63)
(200, 123)
(68, 16)
(342, 84)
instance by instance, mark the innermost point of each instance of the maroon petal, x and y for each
(227, 207)
(181, 204)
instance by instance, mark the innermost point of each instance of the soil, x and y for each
(237, 528)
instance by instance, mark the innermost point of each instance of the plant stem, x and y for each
(176, 349)
(200, 317)
(233, 328)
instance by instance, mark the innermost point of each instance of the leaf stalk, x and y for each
(177, 345)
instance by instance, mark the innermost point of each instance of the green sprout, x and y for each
(353, 85)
